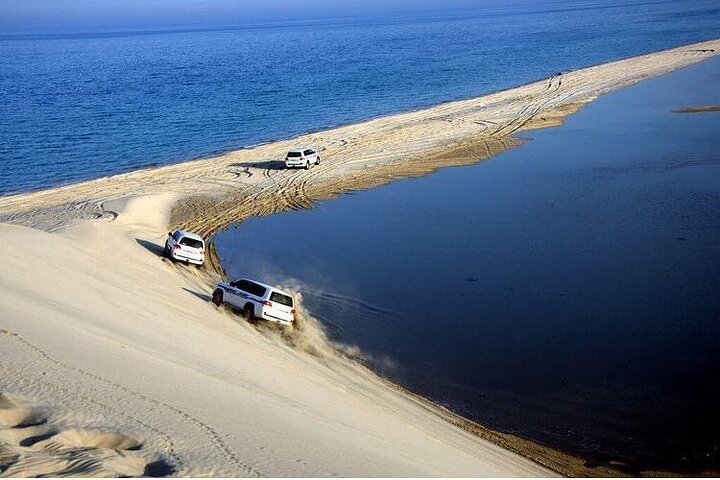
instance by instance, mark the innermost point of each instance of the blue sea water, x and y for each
(77, 106)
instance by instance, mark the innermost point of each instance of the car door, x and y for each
(308, 154)
(256, 294)
(244, 292)
(234, 295)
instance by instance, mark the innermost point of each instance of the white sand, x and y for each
(112, 359)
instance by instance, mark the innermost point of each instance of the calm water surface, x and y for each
(79, 106)
(567, 290)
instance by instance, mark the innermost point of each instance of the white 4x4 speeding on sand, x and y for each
(302, 158)
(185, 246)
(256, 300)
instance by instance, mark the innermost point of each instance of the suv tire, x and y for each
(217, 297)
(248, 313)
(168, 253)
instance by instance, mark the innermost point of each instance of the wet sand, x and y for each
(699, 109)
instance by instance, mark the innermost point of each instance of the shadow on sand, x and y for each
(151, 247)
(201, 296)
(158, 468)
(263, 164)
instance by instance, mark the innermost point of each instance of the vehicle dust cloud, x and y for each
(308, 334)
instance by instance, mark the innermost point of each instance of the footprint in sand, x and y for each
(32, 446)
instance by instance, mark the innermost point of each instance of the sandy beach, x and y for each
(115, 363)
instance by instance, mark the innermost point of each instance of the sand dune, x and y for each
(114, 362)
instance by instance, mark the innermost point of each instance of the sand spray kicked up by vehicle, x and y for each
(308, 334)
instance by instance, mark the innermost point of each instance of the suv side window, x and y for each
(307, 152)
(176, 235)
(256, 289)
(249, 287)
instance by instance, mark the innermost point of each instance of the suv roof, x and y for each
(300, 149)
(194, 236)
(269, 287)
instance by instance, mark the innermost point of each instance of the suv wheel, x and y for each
(317, 160)
(167, 252)
(248, 313)
(217, 297)
(307, 164)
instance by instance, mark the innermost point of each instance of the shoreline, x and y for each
(213, 154)
(384, 142)
(207, 195)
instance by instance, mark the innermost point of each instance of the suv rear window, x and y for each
(281, 299)
(191, 242)
(294, 154)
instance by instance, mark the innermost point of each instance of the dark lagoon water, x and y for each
(80, 106)
(567, 290)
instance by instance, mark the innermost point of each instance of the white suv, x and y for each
(185, 246)
(256, 300)
(302, 157)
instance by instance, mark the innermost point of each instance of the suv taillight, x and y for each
(177, 246)
(267, 303)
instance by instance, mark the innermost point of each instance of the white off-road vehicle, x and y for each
(185, 246)
(302, 158)
(256, 300)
